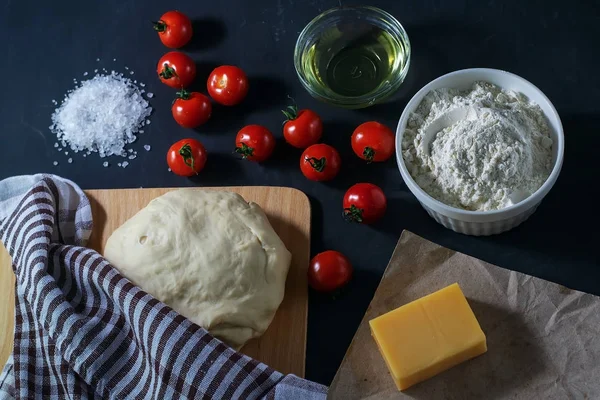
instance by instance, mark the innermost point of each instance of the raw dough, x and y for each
(210, 256)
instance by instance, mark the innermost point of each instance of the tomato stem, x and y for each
(353, 214)
(167, 72)
(369, 154)
(317, 163)
(159, 26)
(291, 113)
(244, 150)
(186, 152)
(184, 94)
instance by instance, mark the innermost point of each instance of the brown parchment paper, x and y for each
(543, 339)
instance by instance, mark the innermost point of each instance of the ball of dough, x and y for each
(209, 255)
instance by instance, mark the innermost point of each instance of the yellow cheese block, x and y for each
(428, 336)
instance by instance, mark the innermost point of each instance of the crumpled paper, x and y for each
(543, 338)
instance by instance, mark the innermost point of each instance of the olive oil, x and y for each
(354, 60)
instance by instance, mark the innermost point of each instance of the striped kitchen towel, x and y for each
(82, 330)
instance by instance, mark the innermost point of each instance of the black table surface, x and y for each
(553, 44)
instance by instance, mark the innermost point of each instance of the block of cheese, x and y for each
(427, 336)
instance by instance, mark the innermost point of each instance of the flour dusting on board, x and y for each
(101, 115)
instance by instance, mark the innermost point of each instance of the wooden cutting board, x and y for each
(283, 346)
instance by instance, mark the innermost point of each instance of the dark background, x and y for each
(553, 44)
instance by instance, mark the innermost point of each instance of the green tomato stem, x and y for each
(244, 150)
(353, 214)
(318, 164)
(184, 94)
(369, 154)
(167, 72)
(188, 158)
(159, 26)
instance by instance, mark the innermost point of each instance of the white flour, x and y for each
(489, 148)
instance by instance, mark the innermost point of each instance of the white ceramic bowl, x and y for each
(484, 222)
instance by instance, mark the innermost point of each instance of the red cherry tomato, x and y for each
(186, 157)
(191, 110)
(302, 128)
(176, 70)
(373, 141)
(320, 162)
(174, 29)
(328, 271)
(364, 203)
(227, 85)
(255, 143)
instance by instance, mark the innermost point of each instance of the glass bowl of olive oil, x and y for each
(352, 57)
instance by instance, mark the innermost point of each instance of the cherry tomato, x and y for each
(191, 110)
(364, 203)
(176, 70)
(320, 162)
(174, 29)
(186, 157)
(302, 128)
(328, 271)
(255, 143)
(227, 85)
(373, 141)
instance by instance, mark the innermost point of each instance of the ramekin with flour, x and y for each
(480, 148)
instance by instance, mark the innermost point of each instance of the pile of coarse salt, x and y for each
(101, 115)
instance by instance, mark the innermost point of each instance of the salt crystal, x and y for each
(101, 115)
(85, 74)
(141, 131)
(105, 164)
(147, 147)
(147, 122)
(59, 149)
(55, 163)
(132, 157)
(169, 169)
(95, 71)
(142, 84)
(70, 160)
(130, 150)
(118, 164)
(114, 59)
(125, 163)
(126, 67)
(150, 95)
(66, 153)
(55, 144)
(97, 59)
(131, 72)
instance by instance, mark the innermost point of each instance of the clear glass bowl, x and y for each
(352, 57)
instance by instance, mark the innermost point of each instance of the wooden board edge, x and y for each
(7, 285)
(308, 206)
